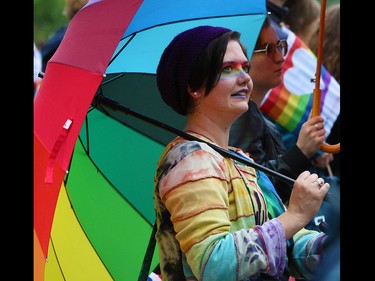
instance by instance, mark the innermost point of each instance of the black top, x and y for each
(253, 133)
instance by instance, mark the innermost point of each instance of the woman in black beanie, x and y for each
(218, 219)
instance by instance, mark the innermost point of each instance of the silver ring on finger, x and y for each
(316, 126)
(319, 182)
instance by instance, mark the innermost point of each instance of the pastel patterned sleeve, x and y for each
(214, 246)
(307, 252)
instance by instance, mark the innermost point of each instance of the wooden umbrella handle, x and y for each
(315, 111)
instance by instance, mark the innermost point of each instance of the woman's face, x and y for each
(229, 98)
(266, 70)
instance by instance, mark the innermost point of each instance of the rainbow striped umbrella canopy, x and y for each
(93, 167)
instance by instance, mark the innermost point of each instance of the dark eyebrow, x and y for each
(236, 62)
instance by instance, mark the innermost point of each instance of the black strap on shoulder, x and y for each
(144, 273)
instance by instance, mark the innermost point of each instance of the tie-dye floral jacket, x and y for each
(216, 220)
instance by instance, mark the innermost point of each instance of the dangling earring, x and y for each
(198, 103)
(196, 100)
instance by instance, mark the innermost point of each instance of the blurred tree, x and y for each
(48, 16)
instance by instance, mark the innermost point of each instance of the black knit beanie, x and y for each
(177, 62)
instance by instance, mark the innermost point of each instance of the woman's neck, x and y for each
(209, 130)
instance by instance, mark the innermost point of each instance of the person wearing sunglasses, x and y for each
(271, 47)
(254, 133)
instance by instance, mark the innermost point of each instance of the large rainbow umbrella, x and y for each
(93, 171)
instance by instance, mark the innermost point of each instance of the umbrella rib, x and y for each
(123, 47)
(171, 22)
(112, 79)
(174, 22)
(100, 99)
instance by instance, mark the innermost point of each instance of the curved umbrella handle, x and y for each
(315, 111)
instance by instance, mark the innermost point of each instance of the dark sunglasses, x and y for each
(271, 47)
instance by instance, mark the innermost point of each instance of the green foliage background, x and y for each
(48, 16)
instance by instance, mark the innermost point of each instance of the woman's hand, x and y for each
(323, 160)
(305, 200)
(311, 136)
